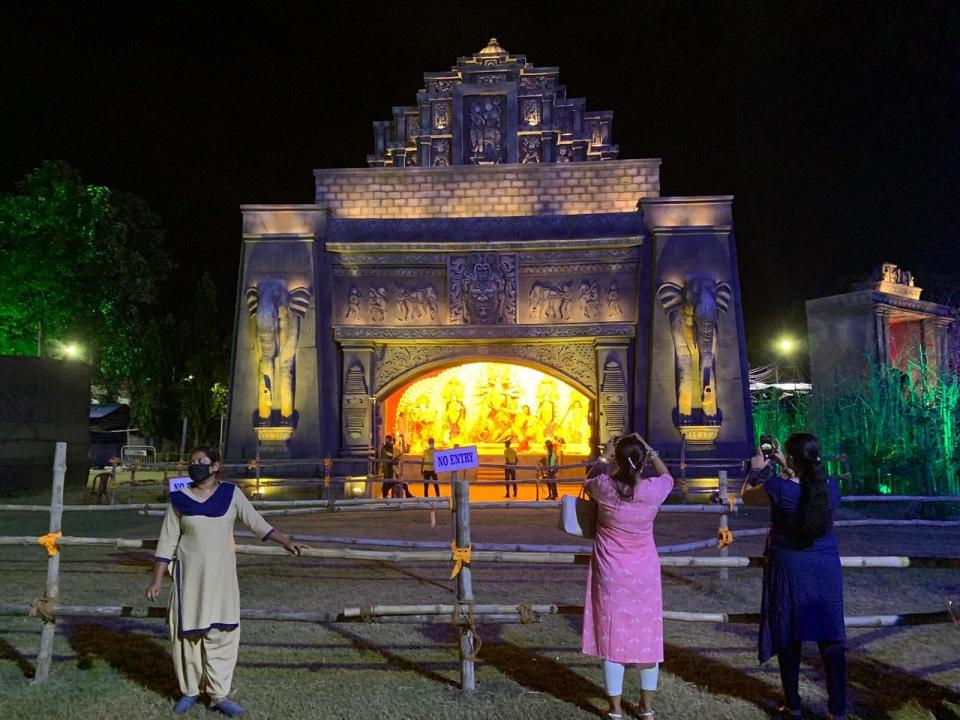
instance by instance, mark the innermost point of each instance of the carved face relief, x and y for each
(483, 288)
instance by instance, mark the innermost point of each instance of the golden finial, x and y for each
(493, 48)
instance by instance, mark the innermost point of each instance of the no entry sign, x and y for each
(178, 483)
(463, 458)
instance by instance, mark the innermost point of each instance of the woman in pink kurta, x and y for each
(623, 610)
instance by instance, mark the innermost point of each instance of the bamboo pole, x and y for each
(375, 610)
(160, 613)
(45, 654)
(500, 556)
(460, 490)
(724, 525)
(426, 616)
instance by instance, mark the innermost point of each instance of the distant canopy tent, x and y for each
(109, 423)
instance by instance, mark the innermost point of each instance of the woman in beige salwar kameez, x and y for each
(196, 546)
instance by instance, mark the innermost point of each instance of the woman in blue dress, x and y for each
(802, 580)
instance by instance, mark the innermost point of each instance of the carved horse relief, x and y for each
(693, 309)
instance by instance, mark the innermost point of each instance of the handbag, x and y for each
(578, 515)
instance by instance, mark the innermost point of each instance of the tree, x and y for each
(79, 263)
(206, 365)
(152, 385)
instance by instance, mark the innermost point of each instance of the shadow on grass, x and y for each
(138, 658)
(529, 669)
(878, 688)
(718, 678)
(9, 652)
(398, 661)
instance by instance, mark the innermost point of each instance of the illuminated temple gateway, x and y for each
(497, 272)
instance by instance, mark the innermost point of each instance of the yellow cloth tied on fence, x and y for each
(459, 556)
(49, 541)
(724, 537)
(731, 502)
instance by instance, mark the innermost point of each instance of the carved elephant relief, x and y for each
(277, 312)
(693, 309)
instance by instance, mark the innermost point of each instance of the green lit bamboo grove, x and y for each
(894, 432)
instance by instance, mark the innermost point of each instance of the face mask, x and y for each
(199, 472)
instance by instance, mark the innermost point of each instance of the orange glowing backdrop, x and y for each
(484, 403)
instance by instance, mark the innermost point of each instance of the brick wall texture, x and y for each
(488, 191)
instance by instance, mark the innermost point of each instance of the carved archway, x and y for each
(484, 402)
(573, 363)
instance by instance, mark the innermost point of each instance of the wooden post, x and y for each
(461, 509)
(257, 469)
(112, 495)
(45, 655)
(724, 551)
(133, 477)
(683, 468)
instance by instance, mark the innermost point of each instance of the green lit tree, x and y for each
(79, 263)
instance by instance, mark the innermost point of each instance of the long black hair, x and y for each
(814, 517)
(629, 453)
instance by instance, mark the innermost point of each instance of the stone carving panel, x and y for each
(353, 304)
(441, 115)
(588, 299)
(550, 301)
(277, 311)
(531, 149)
(694, 310)
(416, 303)
(377, 303)
(484, 332)
(613, 399)
(573, 360)
(355, 402)
(530, 111)
(487, 123)
(483, 288)
(440, 152)
(613, 301)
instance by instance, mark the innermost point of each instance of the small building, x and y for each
(879, 323)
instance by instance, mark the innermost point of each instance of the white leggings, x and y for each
(613, 677)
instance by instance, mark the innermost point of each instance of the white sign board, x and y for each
(463, 458)
(179, 483)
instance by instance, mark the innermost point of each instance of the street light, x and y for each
(71, 351)
(785, 345)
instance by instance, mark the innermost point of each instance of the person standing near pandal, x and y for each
(802, 580)
(551, 471)
(388, 467)
(623, 609)
(427, 469)
(509, 468)
(196, 547)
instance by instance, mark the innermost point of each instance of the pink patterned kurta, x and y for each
(623, 610)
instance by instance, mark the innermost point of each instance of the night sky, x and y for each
(836, 126)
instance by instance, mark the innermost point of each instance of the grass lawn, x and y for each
(112, 668)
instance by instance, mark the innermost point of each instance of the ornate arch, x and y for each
(573, 363)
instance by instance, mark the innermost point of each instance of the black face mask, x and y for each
(199, 472)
